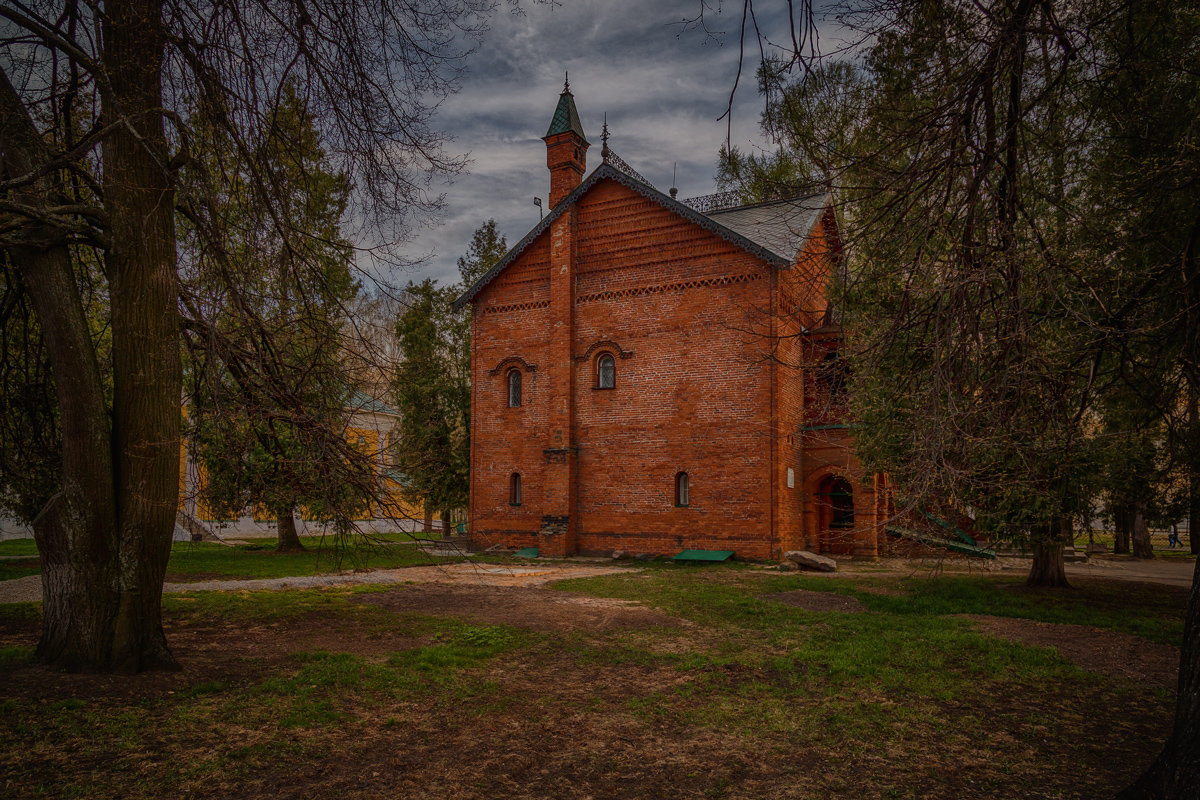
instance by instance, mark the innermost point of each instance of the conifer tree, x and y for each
(252, 422)
(433, 396)
(94, 101)
(1024, 240)
(486, 248)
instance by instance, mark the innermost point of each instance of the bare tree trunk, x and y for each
(105, 537)
(1193, 512)
(147, 373)
(1175, 774)
(427, 525)
(1049, 568)
(1142, 547)
(446, 527)
(289, 540)
(1122, 523)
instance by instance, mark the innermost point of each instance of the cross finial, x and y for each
(604, 138)
(566, 82)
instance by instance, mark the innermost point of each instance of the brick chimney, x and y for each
(566, 148)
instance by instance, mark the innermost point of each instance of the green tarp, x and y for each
(704, 555)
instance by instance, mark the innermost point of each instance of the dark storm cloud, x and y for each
(663, 87)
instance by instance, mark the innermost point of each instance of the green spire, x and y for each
(566, 118)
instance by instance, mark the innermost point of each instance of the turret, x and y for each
(566, 148)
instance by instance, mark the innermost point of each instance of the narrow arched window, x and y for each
(606, 372)
(681, 490)
(514, 489)
(514, 388)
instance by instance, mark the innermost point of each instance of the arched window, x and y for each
(606, 372)
(514, 489)
(681, 490)
(514, 388)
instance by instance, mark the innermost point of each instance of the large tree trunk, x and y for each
(427, 524)
(1193, 512)
(1142, 546)
(106, 536)
(446, 526)
(95, 583)
(1048, 568)
(1122, 526)
(147, 374)
(1175, 774)
(289, 540)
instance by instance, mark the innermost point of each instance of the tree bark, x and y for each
(427, 524)
(1175, 774)
(1122, 521)
(105, 537)
(1193, 512)
(1048, 568)
(446, 527)
(147, 373)
(1142, 546)
(87, 592)
(289, 540)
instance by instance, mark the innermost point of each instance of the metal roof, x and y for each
(566, 118)
(361, 401)
(780, 226)
(771, 231)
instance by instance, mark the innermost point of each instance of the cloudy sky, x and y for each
(662, 86)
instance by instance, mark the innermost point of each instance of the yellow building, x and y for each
(371, 426)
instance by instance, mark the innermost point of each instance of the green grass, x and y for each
(18, 547)
(270, 605)
(1149, 610)
(913, 686)
(259, 560)
(10, 571)
(19, 559)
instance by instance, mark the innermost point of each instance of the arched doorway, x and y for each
(835, 516)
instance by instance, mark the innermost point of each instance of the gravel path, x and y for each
(29, 588)
(1174, 573)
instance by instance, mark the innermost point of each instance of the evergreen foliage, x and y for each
(1012, 234)
(487, 247)
(265, 427)
(94, 118)
(433, 382)
(433, 396)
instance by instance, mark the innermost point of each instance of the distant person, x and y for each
(1173, 539)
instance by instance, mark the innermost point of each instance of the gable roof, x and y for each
(771, 231)
(361, 401)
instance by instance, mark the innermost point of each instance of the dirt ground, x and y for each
(545, 740)
(1096, 650)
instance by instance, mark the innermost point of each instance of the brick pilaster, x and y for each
(559, 518)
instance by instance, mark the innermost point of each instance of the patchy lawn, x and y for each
(202, 561)
(672, 682)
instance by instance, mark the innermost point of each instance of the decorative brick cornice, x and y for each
(527, 306)
(638, 291)
(609, 172)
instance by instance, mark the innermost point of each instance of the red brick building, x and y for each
(650, 378)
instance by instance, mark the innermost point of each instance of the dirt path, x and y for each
(29, 588)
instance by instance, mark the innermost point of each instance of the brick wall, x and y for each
(706, 382)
